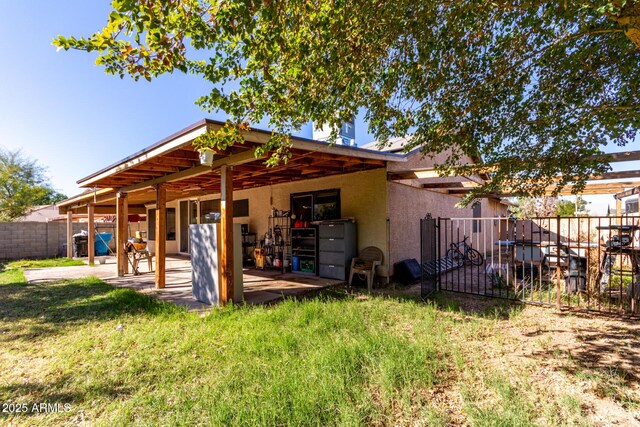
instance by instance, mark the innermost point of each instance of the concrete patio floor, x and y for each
(260, 287)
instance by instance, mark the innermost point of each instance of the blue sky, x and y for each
(61, 109)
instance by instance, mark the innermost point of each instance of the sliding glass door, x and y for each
(188, 216)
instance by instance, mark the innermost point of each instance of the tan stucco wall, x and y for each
(406, 205)
(362, 196)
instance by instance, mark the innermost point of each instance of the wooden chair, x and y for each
(365, 265)
(135, 255)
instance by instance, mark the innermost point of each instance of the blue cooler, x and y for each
(100, 246)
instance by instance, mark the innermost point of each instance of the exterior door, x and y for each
(188, 216)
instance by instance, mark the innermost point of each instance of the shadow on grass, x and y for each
(58, 391)
(61, 392)
(33, 310)
(606, 351)
(469, 305)
(477, 306)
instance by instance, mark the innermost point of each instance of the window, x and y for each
(241, 207)
(316, 206)
(210, 210)
(171, 224)
(477, 213)
(326, 205)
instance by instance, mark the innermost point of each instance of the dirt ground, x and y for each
(595, 358)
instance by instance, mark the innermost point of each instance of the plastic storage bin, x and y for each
(100, 246)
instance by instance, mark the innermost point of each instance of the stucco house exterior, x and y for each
(379, 190)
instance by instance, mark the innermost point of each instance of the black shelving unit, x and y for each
(280, 241)
(304, 251)
(248, 245)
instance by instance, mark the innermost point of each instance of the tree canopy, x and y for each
(23, 185)
(532, 207)
(534, 89)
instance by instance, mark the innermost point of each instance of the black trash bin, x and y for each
(80, 243)
(576, 279)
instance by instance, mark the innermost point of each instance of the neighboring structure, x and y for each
(41, 213)
(383, 191)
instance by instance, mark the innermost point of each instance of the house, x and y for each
(42, 213)
(382, 191)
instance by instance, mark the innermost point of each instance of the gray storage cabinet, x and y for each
(337, 245)
(204, 241)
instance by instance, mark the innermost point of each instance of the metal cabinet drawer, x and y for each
(332, 245)
(332, 258)
(331, 230)
(331, 271)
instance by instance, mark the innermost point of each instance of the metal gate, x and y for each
(428, 255)
(590, 263)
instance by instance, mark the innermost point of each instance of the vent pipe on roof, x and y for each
(346, 134)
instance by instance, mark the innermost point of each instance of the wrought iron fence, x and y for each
(428, 255)
(590, 263)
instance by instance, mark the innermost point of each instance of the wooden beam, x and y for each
(81, 200)
(173, 161)
(450, 185)
(236, 159)
(112, 209)
(626, 156)
(616, 175)
(590, 188)
(226, 223)
(69, 234)
(122, 222)
(627, 193)
(423, 173)
(161, 235)
(91, 234)
(146, 167)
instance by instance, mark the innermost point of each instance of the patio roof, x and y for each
(174, 162)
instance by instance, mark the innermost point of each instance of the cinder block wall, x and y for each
(19, 240)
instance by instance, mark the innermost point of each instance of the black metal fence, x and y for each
(428, 255)
(590, 263)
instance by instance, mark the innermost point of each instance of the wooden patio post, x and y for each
(91, 235)
(161, 235)
(226, 222)
(69, 234)
(618, 208)
(122, 218)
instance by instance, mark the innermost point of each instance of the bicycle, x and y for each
(462, 252)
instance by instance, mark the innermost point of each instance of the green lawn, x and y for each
(337, 359)
(11, 271)
(42, 263)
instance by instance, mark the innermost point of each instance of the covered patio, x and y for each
(171, 171)
(260, 287)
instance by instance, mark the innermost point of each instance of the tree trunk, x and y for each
(629, 19)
